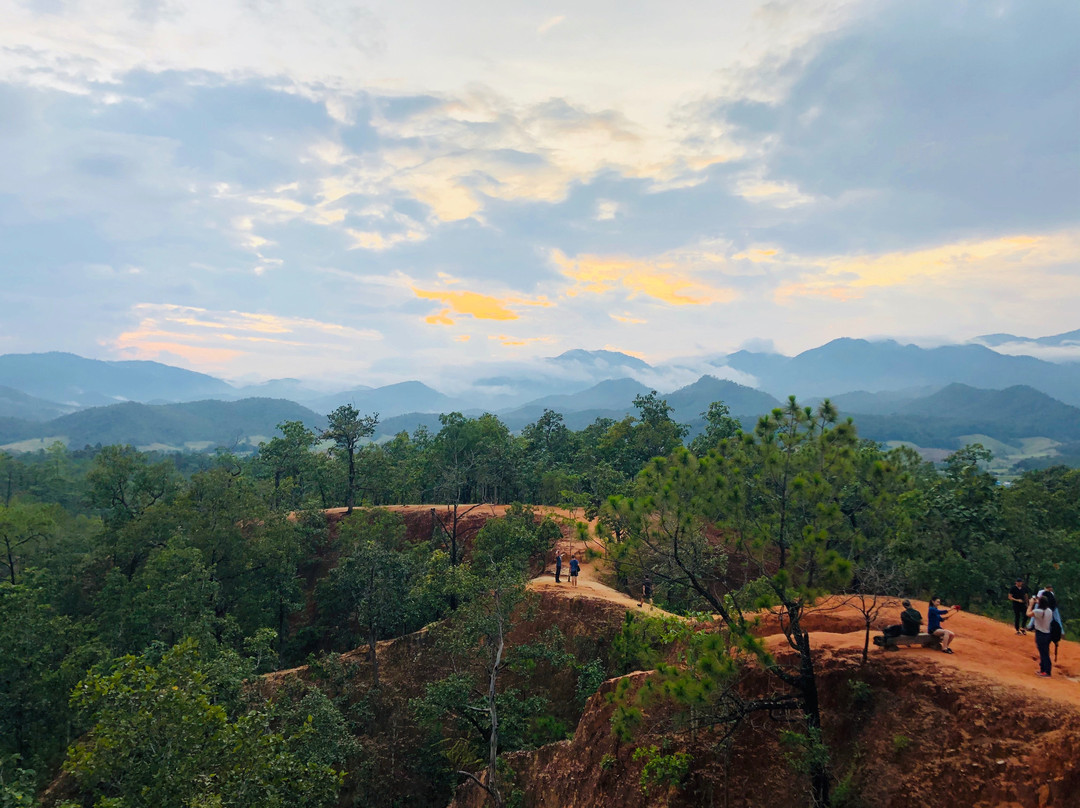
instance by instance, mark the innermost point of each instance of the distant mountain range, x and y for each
(846, 365)
(932, 397)
(197, 426)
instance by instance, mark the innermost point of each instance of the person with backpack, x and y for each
(909, 625)
(1057, 628)
(1042, 616)
(575, 568)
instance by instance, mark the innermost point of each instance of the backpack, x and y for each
(1055, 631)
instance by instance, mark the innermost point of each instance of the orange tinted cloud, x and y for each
(850, 277)
(668, 279)
(206, 337)
(474, 304)
(518, 341)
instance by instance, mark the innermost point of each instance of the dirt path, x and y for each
(983, 647)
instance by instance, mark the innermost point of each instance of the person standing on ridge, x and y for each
(1043, 617)
(575, 568)
(1018, 596)
(646, 590)
(558, 566)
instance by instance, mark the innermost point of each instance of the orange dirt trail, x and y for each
(983, 647)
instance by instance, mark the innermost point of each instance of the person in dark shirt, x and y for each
(910, 619)
(935, 616)
(1018, 596)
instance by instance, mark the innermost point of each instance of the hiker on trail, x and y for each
(1043, 617)
(646, 590)
(575, 568)
(935, 616)
(1048, 592)
(910, 622)
(1057, 628)
(558, 566)
(1019, 596)
(1051, 597)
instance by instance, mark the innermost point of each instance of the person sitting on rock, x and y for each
(910, 619)
(935, 616)
(910, 622)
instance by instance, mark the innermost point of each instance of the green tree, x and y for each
(719, 426)
(130, 493)
(22, 526)
(374, 581)
(45, 653)
(161, 737)
(347, 428)
(290, 463)
(774, 498)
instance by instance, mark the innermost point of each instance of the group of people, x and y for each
(1043, 617)
(1040, 611)
(911, 622)
(575, 567)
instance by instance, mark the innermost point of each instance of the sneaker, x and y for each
(1018, 632)
(1044, 674)
(1024, 632)
(946, 650)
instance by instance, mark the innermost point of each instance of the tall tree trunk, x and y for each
(493, 741)
(819, 766)
(374, 656)
(351, 485)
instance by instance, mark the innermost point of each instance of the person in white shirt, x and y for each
(1042, 616)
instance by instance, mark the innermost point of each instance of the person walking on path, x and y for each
(558, 566)
(646, 590)
(575, 568)
(935, 616)
(1019, 596)
(1043, 617)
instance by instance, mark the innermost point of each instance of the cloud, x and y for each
(966, 263)
(474, 304)
(517, 342)
(224, 338)
(550, 23)
(666, 279)
(917, 120)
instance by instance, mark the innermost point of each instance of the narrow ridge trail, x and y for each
(984, 647)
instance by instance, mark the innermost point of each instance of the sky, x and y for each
(373, 192)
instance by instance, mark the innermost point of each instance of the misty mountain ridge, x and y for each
(841, 368)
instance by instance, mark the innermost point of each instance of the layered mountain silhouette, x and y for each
(846, 365)
(932, 397)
